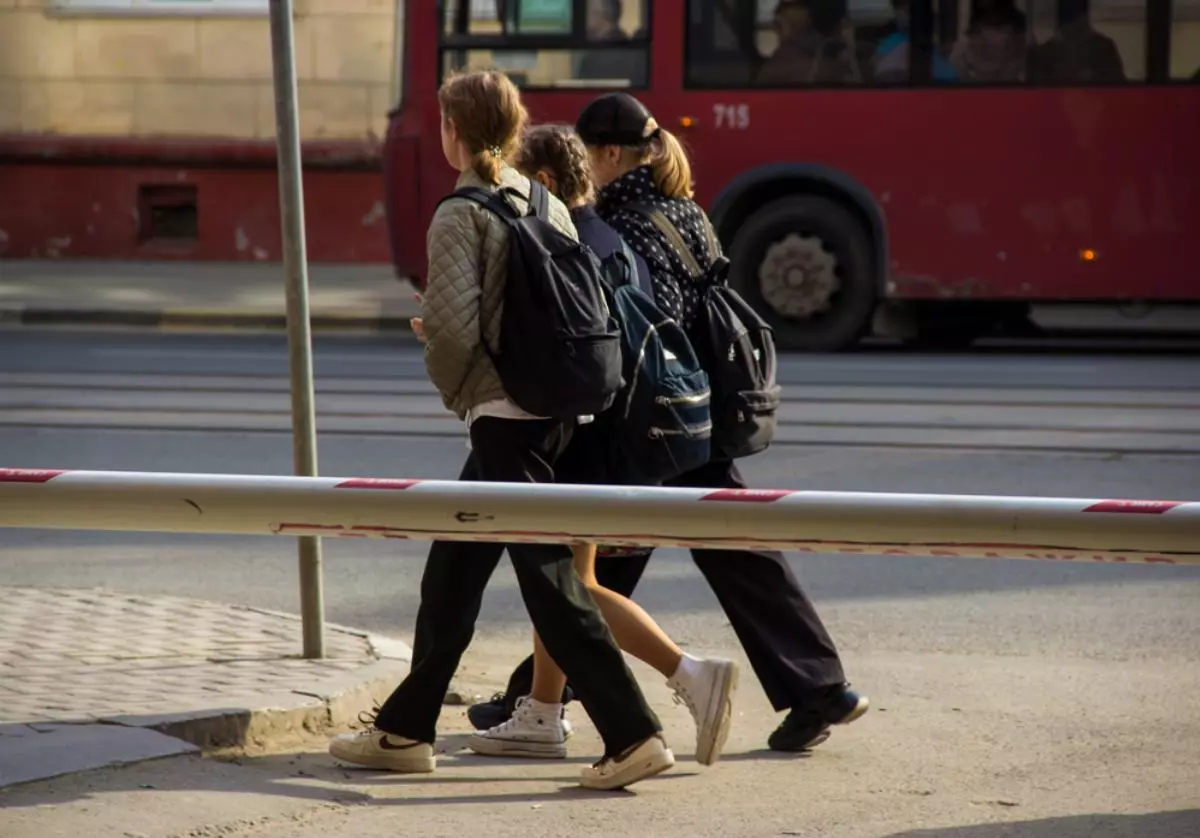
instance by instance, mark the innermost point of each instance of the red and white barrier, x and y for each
(1160, 532)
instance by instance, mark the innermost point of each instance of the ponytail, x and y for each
(485, 107)
(487, 165)
(670, 167)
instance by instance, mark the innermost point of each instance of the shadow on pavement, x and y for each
(1180, 824)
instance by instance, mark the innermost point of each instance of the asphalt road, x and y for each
(1095, 670)
(1002, 423)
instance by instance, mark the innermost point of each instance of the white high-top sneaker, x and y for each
(707, 690)
(532, 731)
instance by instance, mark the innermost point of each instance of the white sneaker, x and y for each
(373, 748)
(708, 693)
(639, 762)
(530, 732)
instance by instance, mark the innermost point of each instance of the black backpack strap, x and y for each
(626, 255)
(539, 200)
(494, 201)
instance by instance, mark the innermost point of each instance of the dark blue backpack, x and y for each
(660, 423)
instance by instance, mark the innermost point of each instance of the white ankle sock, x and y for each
(545, 709)
(688, 669)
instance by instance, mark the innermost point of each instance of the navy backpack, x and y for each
(660, 423)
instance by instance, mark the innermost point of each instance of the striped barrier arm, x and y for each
(980, 526)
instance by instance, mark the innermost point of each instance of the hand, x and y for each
(418, 326)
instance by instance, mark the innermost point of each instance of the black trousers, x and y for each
(787, 644)
(560, 607)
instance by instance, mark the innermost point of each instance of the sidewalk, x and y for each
(199, 294)
(90, 678)
(250, 295)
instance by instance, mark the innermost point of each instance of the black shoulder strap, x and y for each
(630, 259)
(494, 201)
(539, 200)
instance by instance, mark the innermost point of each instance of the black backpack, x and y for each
(660, 426)
(736, 348)
(560, 351)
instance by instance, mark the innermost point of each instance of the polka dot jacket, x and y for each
(674, 289)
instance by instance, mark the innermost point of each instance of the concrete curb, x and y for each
(198, 319)
(39, 751)
(314, 702)
(255, 720)
(278, 718)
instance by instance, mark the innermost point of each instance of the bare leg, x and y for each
(635, 632)
(706, 685)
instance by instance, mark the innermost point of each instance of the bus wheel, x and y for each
(805, 264)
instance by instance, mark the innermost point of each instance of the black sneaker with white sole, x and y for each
(488, 714)
(807, 727)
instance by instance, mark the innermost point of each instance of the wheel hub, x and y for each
(798, 276)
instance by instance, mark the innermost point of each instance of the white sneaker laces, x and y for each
(521, 713)
(683, 697)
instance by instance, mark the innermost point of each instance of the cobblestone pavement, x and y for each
(86, 655)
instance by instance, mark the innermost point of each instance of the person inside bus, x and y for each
(1077, 53)
(993, 49)
(634, 161)
(555, 157)
(616, 65)
(812, 49)
(890, 61)
(481, 122)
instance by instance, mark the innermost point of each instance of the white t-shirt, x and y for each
(506, 409)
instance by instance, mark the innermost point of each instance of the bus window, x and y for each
(1088, 42)
(549, 43)
(783, 43)
(1049, 42)
(992, 43)
(886, 49)
(1185, 40)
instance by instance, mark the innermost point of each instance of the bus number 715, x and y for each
(732, 116)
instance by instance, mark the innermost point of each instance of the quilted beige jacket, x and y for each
(468, 263)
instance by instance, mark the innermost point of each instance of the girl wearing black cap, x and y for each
(482, 118)
(634, 160)
(636, 163)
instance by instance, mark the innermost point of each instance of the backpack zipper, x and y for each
(659, 433)
(695, 398)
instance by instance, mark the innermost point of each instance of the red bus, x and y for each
(922, 168)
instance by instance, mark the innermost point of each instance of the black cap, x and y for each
(615, 119)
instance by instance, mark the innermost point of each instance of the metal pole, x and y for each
(295, 266)
(979, 526)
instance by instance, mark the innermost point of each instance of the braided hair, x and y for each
(558, 149)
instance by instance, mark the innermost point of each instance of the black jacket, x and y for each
(596, 233)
